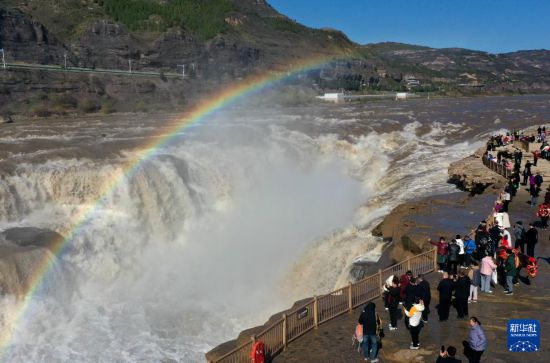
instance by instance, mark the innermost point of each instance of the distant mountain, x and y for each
(218, 41)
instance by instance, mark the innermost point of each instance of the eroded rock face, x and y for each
(24, 39)
(471, 175)
(24, 255)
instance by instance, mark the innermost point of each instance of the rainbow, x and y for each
(199, 113)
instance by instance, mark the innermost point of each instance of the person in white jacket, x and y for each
(386, 288)
(460, 244)
(503, 219)
(414, 315)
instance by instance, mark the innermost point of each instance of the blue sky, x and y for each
(494, 26)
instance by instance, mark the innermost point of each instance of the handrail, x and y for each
(321, 309)
(497, 167)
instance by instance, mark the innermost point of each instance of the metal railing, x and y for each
(323, 308)
(498, 168)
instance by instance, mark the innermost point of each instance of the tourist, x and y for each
(460, 244)
(445, 289)
(411, 292)
(442, 252)
(404, 281)
(414, 315)
(538, 179)
(543, 213)
(371, 325)
(503, 219)
(526, 172)
(477, 342)
(510, 268)
(531, 239)
(475, 281)
(499, 206)
(461, 286)
(483, 240)
(547, 196)
(495, 234)
(536, 156)
(534, 191)
(505, 197)
(519, 236)
(488, 267)
(393, 303)
(454, 250)
(423, 290)
(386, 288)
(447, 355)
(505, 233)
(469, 248)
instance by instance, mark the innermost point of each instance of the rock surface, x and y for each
(23, 253)
(471, 175)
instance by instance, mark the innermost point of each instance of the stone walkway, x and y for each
(331, 342)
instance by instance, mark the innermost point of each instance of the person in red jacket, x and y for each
(442, 252)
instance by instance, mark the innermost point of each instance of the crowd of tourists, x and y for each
(491, 255)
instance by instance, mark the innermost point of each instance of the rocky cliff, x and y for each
(218, 42)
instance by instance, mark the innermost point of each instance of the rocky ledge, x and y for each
(471, 175)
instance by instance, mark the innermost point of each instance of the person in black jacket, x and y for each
(445, 289)
(482, 240)
(423, 291)
(393, 303)
(531, 239)
(454, 250)
(411, 292)
(371, 324)
(494, 232)
(461, 287)
(448, 355)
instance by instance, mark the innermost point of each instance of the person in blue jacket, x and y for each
(477, 342)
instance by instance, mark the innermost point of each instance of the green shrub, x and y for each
(141, 106)
(107, 106)
(206, 18)
(41, 110)
(65, 101)
(88, 105)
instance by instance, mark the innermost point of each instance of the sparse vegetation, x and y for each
(205, 18)
(107, 105)
(285, 25)
(41, 110)
(88, 105)
(64, 101)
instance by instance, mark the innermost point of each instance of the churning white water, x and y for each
(230, 223)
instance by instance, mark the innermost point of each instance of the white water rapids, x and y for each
(231, 223)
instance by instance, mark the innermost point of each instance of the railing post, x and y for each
(409, 263)
(435, 260)
(284, 331)
(380, 281)
(315, 312)
(350, 298)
